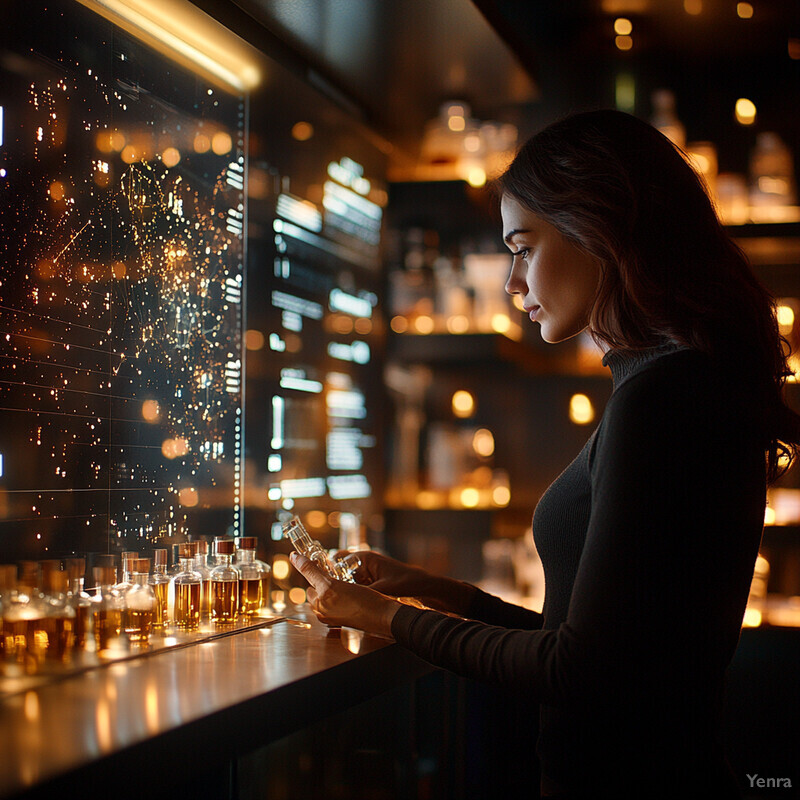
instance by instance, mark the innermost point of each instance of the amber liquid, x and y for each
(139, 623)
(187, 605)
(250, 596)
(107, 626)
(58, 637)
(205, 597)
(161, 616)
(224, 601)
(23, 642)
(81, 626)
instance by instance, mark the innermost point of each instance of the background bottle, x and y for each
(159, 580)
(224, 601)
(140, 603)
(80, 601)
(254, 578)
(188, 588)
(201, 567)
(58, 624)
(107, 608)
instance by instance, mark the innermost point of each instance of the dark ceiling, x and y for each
(530, 61)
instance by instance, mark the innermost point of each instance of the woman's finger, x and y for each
(310, 571)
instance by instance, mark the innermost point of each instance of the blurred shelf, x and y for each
(482, 350)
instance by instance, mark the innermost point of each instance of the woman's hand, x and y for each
(337, 603)
(394, 578)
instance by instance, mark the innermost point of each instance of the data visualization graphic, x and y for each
(121, 289)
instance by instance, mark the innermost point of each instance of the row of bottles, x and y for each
(47, 617)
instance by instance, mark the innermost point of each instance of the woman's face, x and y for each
(557, 281)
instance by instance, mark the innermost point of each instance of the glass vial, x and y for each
(201, 567)
(254, 578)
(80, 601)
(224, 601)
(188, 588)
(107, 609)
(140, 603)
(58, 624)
(159, 580)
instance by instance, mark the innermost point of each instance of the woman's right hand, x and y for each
(397, 579)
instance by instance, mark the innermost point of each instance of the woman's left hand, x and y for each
(337, 603)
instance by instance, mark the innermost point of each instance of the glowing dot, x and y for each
(501, 495)
(118, 141)
(793, 48)
(623, 27)
(501, 323)
(363, 325)
(581, 410)
(152, 413)
(458, 323)
(456, 123)
(744, 10)
(424, 324)
(57, 191)
(470, 497)
(745, 111)
(785, 316)
(188, 497)
(280, 568)
(399, 324)
(128, 154)
(483, 442)
(201, 143)
(693, 7)
(463, 404)
(253, 339)
(297, 595)
(171, 156)
(476, 176)
(302, 131)
(769, 516)
(316, 519)
(623, 42)
(221, 143)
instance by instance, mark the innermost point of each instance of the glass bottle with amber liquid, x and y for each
(107, 608)
(58, 623)
(254, 578)
(224, 600)
(140, 604)
(159, 580)
(187, 586)
(201, 566)
(79, 600)
(126, 581)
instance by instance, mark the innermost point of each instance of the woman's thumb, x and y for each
(309, 570)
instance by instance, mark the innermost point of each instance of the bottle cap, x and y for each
(187, 550)
(224, 546)
(76, 568)
(248, 542)
(202, 547)
(160, 557)
(56, 581)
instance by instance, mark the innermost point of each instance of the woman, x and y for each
(650, 535)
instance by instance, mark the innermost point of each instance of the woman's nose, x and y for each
(515, 284)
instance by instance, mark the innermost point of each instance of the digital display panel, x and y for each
(122, 179)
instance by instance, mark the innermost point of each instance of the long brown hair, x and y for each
(623, 193)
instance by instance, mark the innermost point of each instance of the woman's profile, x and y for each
(649, 537)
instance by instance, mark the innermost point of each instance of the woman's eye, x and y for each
(521, 253)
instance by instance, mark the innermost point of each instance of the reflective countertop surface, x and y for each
(74, 721)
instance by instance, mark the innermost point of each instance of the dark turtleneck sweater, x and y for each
(648, 541)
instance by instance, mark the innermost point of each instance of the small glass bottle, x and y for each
(126, 581)
(188, 588)
(254, 578)
(341, 569)
(79, 600)
(201, 566)
(58, 624)
(107, 608)
(140, 603)
(224, 601)
(29, 614)
(159, 580)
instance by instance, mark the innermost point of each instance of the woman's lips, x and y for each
(532, 312)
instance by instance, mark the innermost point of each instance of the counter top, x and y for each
(214, 700)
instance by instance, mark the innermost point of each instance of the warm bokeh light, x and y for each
(316, 519)
(171, 156)
(399, 324)
(581, 410)
(693, 7)
(785, 315)
(456, 123)
(752, 618)
(623, 26)
(221, 143)
(745, 111)
(151, 411)
(302, 131)
(476, 176)
(201, 143)
(483, 442)
(744, 10)
(501, 495)
(280, 568)
(793, 48)
(427, 499)
(253, 339)
(187, 497)
(501, 323)
(769, 516)
(458, 323)
(623, 42)
(57, 191)
(470, 497)
(463, 404)
(297, 595)
(424, 324)
(363, 325)
(174, 448)
(128, 154)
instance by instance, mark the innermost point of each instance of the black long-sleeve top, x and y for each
(648, 541)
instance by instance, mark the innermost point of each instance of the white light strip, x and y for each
(278, 406)
(289, 302)
(348, 487)
(301, 385)
(303, 487)
(349, 304)
(356, 201)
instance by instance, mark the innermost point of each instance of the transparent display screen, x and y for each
(121, 291)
